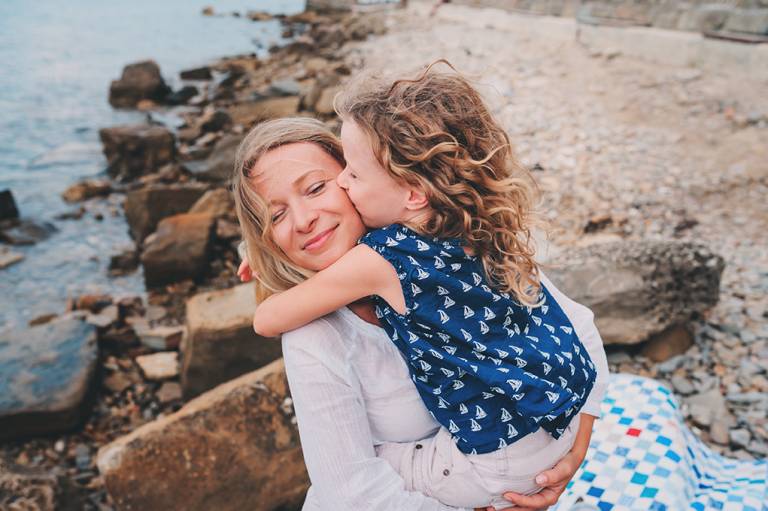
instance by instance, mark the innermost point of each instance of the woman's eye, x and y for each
(316, 187)
(277, 216)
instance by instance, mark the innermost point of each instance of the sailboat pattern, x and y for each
(489, 369)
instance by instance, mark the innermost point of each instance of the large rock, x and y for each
(638, 289)
(145, 207)
(220, 343)
(233, 448)
(8, 209)
(217, 203)
(218, 166)
(136, 150)
(38, 489)
(751, 21)
(25, 231)
(178, 250)
(141, 80)
(249, 113)
(46, 373)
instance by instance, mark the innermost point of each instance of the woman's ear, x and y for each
(417, 199)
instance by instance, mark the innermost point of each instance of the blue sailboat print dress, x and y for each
(489, 370)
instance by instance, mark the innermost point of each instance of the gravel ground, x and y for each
(625, 148)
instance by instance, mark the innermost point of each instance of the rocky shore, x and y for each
(653, 178)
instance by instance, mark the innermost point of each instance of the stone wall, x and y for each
(735, 17)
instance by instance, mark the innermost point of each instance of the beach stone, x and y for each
(705, 17)
(216, 203)
(86, 190)
(284, 88)
(640, 288)
(249, 113)
(719, 431)
(145, 207)
(26, 232)
(168, 392)
(139, 81)
(161, 338)
(159, 366)
(7, 258)
(662, 346)
(36, 489)
(740, 437)
(232, 448)
(706, 406)
(220, 343)
(751, 21)
(218, 166)
(182, 96)
(47, 371)
(8, 209)
(215, 120)
(197, 73)
(136, 150)
(682, 385)
(178, 250)
(324, 104)
(124, 262)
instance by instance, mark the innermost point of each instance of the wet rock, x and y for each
(198, 73)
(178, 249)
(159, 366)
(249, 113)
(36, 489)
(218, 166)
(42, 319)
(220, 343)
(136, 150)
(26, 232)
(8, 258)
(92, 303)
(259, 16)
(139, 81)
(239, 450)
(208, 11)
(124, 262)
(182, 96)
(638, 289)
(47, 371)
(145, 207)
(284, 88)
(161, 337)
(673, 341)
(215, 120)
(8, 209)
(86, 190)
(216, 203)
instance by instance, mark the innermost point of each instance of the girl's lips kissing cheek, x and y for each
(318, 241)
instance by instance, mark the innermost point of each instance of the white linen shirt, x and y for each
(351, 391)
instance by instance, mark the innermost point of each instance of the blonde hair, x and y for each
(273, 270)
(434, 132)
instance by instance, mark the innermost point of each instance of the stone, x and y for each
(169, 392)
(324, 104)
(751, 21)
(259, 16)
(719, 431)
(226, 230)
(219, 164)
(139, 81)
(671, 364)
(705, 18)
(26, 232)
(220, 343)
(662, 346)
(161, 337)
(215, 120)
(197, 73)
(145, 207)
(136, 150)
(117, 382)
(178, 250)
(740, 437)
(159, 366)
(86, 190)
(216, 203)
(8, 258)
(182, 96)
(249, 113)
(284, 88)
(639, 288)
(8, 209)
(37, 489)
(124, 262)
(232, 448)
(47, 371)
(682, 385)
(706, 406)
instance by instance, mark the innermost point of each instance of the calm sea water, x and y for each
(57, 59)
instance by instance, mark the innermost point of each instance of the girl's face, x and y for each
(313, 221)
(379, 199)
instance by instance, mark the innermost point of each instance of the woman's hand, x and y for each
(556, 478)
(244, 272)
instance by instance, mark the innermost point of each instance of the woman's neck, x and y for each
(363, 308)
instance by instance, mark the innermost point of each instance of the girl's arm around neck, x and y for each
(359, 273)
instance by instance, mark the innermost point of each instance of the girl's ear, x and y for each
(416, 200)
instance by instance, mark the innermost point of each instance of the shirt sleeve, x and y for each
(335, 434)
(583, 321)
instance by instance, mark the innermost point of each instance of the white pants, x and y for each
(437, 468)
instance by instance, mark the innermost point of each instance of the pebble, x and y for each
(740, 437)
(168, 392)
(682, 385)
(159, 366)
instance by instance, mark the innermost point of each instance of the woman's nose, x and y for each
(304, 218)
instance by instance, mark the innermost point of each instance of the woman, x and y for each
(352, 394)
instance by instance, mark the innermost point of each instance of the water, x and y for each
(57, 59)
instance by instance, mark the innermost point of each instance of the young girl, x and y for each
(450, 263)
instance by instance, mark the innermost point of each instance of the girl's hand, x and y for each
(244, 272)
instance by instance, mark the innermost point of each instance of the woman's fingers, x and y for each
(244, 271)
(541, 500)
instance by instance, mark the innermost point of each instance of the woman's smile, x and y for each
(317, 242)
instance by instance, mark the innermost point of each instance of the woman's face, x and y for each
(313, 220)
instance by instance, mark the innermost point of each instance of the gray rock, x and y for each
(637, 289)
(669, 366)
(26, 232)
(618, 357)
(145, 207)
(141, 80)
(706, 406)
(705, 17)
(178, 250)
(198, 73)
(285, 88)
(682, 385)
(8, 209)
(47, 371)
(747, 398)
(220, 343)
(218, 166)
(36, 489)
(740, 437)
(751, 21)
(719, 431)
(237, 447)
(136, 150)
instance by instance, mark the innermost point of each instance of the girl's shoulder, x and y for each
(398, 238)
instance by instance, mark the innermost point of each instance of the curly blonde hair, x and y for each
(273, 270)
(434, 132)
